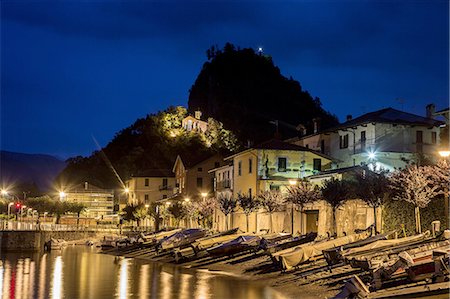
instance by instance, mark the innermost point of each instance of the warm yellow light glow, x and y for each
(444, 154)
(4, 192)
(147, 206)
(57, 278)
(292, 182)
(168, 203)
(172, 134)
(123, 280)
(127, 190)
(62, 194)
(186, 199)
(204, 194)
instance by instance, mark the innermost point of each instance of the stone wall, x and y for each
(34, 240)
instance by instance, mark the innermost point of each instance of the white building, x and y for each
(387, 138)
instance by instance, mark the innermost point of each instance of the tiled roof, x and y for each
(154, 173)
(390, 115)
(276, 144)
(192, 159)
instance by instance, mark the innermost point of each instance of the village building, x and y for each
(387, 138)
(272, 165)
(223, 187)
(194, 123)
(192, 179)
(150, 186)
(98, 202)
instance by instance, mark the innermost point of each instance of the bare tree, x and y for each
(335, 192)
(415, 184)
(226, 204)
(300, 194)
(372, 188)
(272, 201)
(248, 204)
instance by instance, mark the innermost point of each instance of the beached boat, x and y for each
(303, 253)
(240, 244)
(333, 255)
(287, 243)
(54, 244)
(151, 240)
(181, 239)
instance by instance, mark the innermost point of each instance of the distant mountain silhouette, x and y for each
(25, 170)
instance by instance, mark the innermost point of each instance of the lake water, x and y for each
(82, 272)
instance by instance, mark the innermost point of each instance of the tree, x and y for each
(41, 204)
(77, 208)
(248, 204)
(58, 209)
(132, 212)
(205, 210)
(226, 204)
(335, 192)
(302, 193)
(272, 201)
(415, 185)
(372, 188)
(154, 212)
(177, 211)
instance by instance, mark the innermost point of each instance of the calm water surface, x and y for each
(81, 272)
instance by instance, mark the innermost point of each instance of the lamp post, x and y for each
(204, 194)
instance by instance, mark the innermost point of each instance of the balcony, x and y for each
(225, 184)
(165, 187)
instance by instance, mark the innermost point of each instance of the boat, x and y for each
(365, 257)
(303, 253)
(181, 239)
(333, 255)
(271, 248)
(54, 244)
(151, 240)
(240, 244)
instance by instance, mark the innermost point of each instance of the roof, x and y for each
(276, 144)
(336, 171)
(154, 173)
(391, 115)
(90, 188)
(189, 160)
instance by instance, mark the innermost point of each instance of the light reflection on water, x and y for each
(80, 272)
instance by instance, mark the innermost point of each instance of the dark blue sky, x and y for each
(81, 68)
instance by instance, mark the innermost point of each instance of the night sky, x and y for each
(73, 70)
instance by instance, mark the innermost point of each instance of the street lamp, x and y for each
(204, 194)
(444, 154)
(62, 195)
(4, 192)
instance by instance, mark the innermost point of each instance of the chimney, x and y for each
(316, 123)
(85, 185)
(249, 143)
(430, 108)
(302, 129)
(198, 114)
(349, 117)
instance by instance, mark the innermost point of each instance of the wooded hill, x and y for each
(246, 91)
(236, 87)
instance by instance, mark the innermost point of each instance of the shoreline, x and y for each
(257, 269)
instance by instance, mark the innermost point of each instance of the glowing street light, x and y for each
(4, 192)
(187, 199)
(62, 194)
(444, 154)
(292, 182)
(127, 190)
(147, 206)
(372, 155)
(204, 194)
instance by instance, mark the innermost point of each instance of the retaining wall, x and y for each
(34, 240)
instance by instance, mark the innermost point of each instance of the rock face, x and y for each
(246, 92)
(29, 169)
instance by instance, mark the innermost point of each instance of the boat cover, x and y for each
(203, 244)
(304, 253)
(382, 244)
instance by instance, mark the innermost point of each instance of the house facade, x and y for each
(192, 179)
(98, 202)
(386, 138)
(150, 186)
(273, 165)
